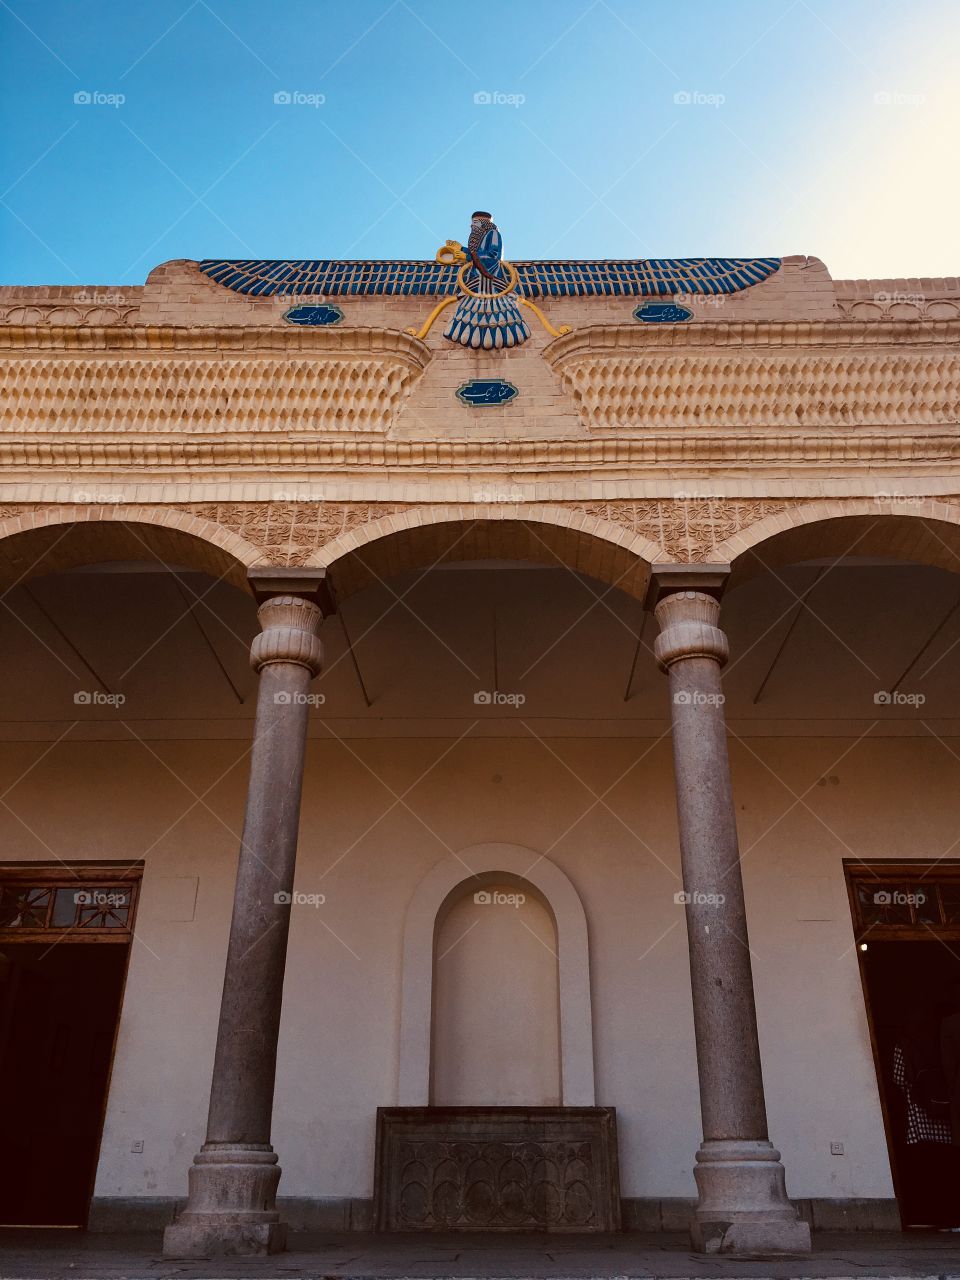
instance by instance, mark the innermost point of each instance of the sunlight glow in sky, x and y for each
(590, 128)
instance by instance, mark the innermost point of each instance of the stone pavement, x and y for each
(63, 1255)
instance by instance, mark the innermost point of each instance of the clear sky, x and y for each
(135, 132)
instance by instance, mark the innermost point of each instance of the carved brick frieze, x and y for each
(688, 529)
(685, 529)
(82, 314)
(289, 532)
(904, 307)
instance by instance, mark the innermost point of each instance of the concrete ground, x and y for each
(69, 1255)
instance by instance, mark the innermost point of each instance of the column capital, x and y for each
(666, 578)
(289, 634)
(688, 629)
(308, 582)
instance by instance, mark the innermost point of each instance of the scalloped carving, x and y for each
(657, 389)
(203, 394)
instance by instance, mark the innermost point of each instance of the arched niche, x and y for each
(495, 1038)
(480, 866)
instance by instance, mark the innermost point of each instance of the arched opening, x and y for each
(126, 635)
(555, 537)
(54, 539)
(918, 530)
(496, 999)
(843, 706)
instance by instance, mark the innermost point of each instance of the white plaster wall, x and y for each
(338, 1046)
(587, 782)
(496, 1003)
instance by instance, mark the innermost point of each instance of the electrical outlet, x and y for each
(137, 1147)
(836, 1148)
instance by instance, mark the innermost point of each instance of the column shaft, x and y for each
(742, 1206)
(241, 1100)
(731, 1101)
(231, 1207)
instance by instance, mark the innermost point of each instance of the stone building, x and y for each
(477, 573)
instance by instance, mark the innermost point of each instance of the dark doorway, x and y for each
(910, 988)
(59, 1008)
(906, 919)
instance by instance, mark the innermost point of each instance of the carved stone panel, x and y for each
(497, 1169)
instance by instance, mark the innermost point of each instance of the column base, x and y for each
(231, 1207)
(743, 1206)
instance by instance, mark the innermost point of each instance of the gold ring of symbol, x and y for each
(513, 279)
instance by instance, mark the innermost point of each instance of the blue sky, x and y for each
(615, 128)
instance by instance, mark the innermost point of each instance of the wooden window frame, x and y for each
(924, 873)
(59, 875)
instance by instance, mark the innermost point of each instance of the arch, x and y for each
(483, 531)
(917, 529)
(488, 1050)
(484, 861)
(51, 539)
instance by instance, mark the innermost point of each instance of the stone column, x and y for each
(742, 1206)
(231, 1206)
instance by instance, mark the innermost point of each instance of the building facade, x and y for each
(366, 750)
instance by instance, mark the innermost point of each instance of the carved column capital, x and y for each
(688, 629)
(290, 625)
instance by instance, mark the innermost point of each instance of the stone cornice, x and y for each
(255, 340)
(266, 454)
(592, 339)
(597, 340)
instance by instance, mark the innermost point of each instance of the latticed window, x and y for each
(898, 900)
(41, 899)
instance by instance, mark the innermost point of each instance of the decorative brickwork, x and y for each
(686, 529)
(626, 380)
(289, 533)
(362, 542)
(229, 437)
(81, 314)
(200, 394)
